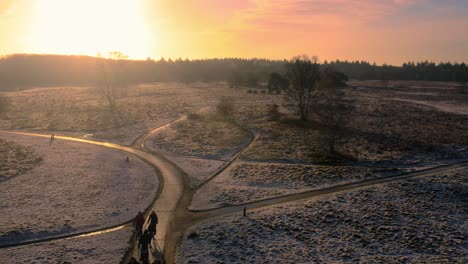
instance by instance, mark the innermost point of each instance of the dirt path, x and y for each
(172, 188)
(175, 196)
(185, 218)
(334, 189)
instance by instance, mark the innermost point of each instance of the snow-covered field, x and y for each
(246, 182)
(76, 187)
(423, 220)
(103, 248)
(449, 107)
(198, 169)
(82, 111)
(15, 159)
(206, 134)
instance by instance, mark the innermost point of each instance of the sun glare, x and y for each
(90, 27)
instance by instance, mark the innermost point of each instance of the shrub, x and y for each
(4, 104)
(273, 113)
(225, 107)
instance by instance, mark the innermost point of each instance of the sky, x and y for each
(381, 31)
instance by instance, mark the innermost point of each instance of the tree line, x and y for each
(26, 71)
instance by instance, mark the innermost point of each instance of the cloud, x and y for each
(405, 2)
(352, 29)
(276, 14)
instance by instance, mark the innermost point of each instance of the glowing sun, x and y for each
(90, 27)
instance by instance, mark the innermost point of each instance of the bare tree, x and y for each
(111, 83)
(330, 106)
(303, 74)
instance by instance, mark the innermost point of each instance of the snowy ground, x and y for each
(197, 169)
(206, 135)
(381, 130)
(77, 187)
(445, 106)
(82, 111)
(423, 220)
(16, 159)
(246, 182)
(103, 248)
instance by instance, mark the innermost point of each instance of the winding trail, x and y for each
(329, 190)
(175, 195)
(185, 218)
(172, 188)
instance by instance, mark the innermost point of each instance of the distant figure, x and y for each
(139, 222)
(133, 261)
(52, 137)
(143, 244)
(153, 221)
(127, 159)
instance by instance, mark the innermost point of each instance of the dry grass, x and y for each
(16, 159)
(381, 128)
(206, 134)
(422, 220)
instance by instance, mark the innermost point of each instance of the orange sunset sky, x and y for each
(382, 31)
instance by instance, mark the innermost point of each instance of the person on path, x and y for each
(153, 221)
(52, 137)
(139, 222)
(143, 244)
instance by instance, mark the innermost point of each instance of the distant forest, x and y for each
(26, 71)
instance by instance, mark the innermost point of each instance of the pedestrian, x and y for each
(52, 137)
(153, 221)
(139, 222)
(127, 159)
(143, 244)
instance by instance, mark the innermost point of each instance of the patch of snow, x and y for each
(77, 187)
(444, 106)
(248, 181)
(103, 248)
(198, 169)
(422, 220)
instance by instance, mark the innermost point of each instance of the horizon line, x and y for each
(128, 58)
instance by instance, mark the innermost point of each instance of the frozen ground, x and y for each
(15, 159)
(422, 220)
(198, 169)
(103, 248)
(206, 135)
(381, 129)
(77, 187)
(82, 111)
(246, 182)
(445, 106)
